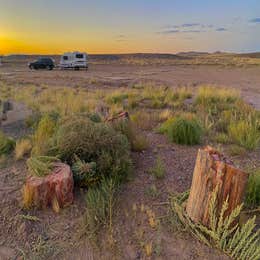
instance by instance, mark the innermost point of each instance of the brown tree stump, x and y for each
(54, 190)
(212, 169)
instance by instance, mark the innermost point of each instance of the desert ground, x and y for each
(50, 235)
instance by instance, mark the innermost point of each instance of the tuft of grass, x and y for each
(165, 114)
(165, 126)
(252, 199)
(221, 138)
(23, 148)
(137, 141)
(42, 135)
(7, 144)
(210, 95)
(3, 161)
(158, 171)
(152, 191)
(245, 133)
(185, 130)
(41, 166)
(100, 202)
(116, 97)
(144, 120)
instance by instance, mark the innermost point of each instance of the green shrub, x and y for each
(185, 130)
(253, 190)
(94, 142)
(245, 133)
(42, 135)
(7, 144)
(84, 174)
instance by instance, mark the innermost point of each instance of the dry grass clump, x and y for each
(209, 95)
(136, 139)
(159, 97)
(226, 117)
(42, 135)
(165, 114)
(144, 120)
(116, 97)
(23, 148)
(245, 133)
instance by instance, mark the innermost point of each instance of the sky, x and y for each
(118, 26)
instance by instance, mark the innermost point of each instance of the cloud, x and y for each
(180, 31)
(121, 36)
(170, 31)
(255, 20)
(221, 29)
(190, 25)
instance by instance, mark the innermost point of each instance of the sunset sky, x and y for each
(117, 26)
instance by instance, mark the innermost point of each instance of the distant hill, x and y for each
(250, 55)
(192, 53)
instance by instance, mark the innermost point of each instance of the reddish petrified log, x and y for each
(54, 190)
(119, 116)
(213, 170)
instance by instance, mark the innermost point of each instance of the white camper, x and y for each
(74, 60)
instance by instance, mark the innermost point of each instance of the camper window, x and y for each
(79, 56)
(65, 57)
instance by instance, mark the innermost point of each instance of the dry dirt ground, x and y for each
(61, 236)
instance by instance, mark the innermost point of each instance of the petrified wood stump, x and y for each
(212, 169)
(54, 190)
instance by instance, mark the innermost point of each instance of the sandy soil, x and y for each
(60, 236)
